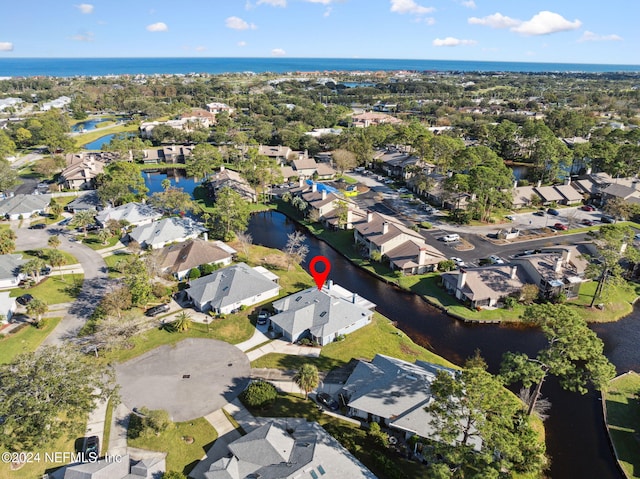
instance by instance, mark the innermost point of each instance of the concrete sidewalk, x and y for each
(259, 337)
(95, 421)
(283, 347)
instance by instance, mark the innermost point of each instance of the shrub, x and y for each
(259, 394)
(379, 438)
(159, 290)
(510, 302)
(426, 225)
(446, 265)
(173, 475)
(194, 273)
(376, 256)
(206, 269)
(149, 422)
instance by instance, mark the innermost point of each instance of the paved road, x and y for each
(93, 287)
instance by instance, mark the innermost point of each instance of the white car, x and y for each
(458, 261)
(496, 259)
(510, 217)
(450, 238)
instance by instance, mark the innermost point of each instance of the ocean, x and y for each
(69, 67)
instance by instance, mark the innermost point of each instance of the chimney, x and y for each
(539, 184)
(329, 284)
(314, 187)
(422, 256)
(588, 171)
(558, 267)
(623, 248)
(514, 270)
(300, 182)
(354, 298)
(349, 218)
(515, 184)
(221, 168)
(324, 194)
(566, 256)
(205, 236)
(567, 180)
(369, 216)
(462, 278)
(385, 228)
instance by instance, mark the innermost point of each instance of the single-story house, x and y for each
(549, 194)
(523, 196)
(178, 259)
(230, 288)
(620, 191)
(135, 214)
(394, 393)
(8, 306)
(321, 315)
(85, 202)
(570, 194)
(279, 153)
(81, 172)
(284, 448)
(485, 286)
(231, 179)
(124, 467)
(169, 230)
(24, 206)
(10, 275)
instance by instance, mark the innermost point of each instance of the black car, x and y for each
(38, 226)
(553, 212)
(539, 213)
(327, 401)
(607, 219)
(91, 448)
(24, 299)
(156, 310)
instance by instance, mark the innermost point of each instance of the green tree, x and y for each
(307, 378)
(194, 273)
(612, 245)
(230, 213)
(480, 424)
(204, 159)
(7, 241)
(54, 241)
(43, 393)
(172, 200)
(36, 308)
(137, 279)
(8, 176)
(149, 423)
(57, 259)
(121, 183)
(7, 146)
(82, 219)
(23, 137)
(33, 267)
(183, 322)
(574, 354)
(344, 160)
(104, 235)
(259, 394)
(55, 208)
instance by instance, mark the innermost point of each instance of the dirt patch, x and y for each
(406, 349)
(277, 261)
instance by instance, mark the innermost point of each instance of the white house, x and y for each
(10, 275)
(133, 213)
(7, 306)
(230, 288)
(24, 206)
(169, 230)
(321, 315)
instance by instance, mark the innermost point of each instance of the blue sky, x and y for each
(577, 31)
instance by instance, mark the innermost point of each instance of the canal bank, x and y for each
(575, 434)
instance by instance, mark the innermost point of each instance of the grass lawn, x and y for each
(94, 243)
(348, 434)
(181, 456)
(623, 420)
(54, 289)
(25, 340)
(107, 427)
(378, 337)
(85, 138)
(44, 254)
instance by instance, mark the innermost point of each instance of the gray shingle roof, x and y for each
(166, 231)
(23, 204)
(134, 213)
(229, 286)
(10, 265)
(88, 201)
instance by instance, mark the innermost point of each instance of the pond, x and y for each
(103, 140)
(576, 438)
(153, 180)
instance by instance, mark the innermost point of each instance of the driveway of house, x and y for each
(189, 379)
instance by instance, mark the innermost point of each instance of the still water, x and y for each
(576, 437)
(153, 180)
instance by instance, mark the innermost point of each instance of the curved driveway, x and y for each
(94, 284)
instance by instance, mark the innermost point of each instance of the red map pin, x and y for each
(319, 276)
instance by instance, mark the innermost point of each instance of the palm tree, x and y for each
(307, 378)
(55, 209)
(82, 219)
(104, 235)
(54, 241)
(57, 259)
(33, 268)
(183, 322)
(36, 308)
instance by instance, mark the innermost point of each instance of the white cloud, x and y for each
(497, 20)
(83, 37)
(588, 36)
(237, 23)
(469, 3)
(545, 23)
(85, 8)
(327, 12)
(409, 6)
(200, 48)
(242, 44)
(6, 47)
(452, 42)
(273, 3)
(158, 27)
(323, 2)
(278, 52)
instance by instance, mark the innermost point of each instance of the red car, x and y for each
(587, 222)
(560, 227)
(588, 208)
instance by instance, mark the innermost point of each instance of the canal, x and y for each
(576, 437)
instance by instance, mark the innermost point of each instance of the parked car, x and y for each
(587, 222)
(156, 310)
(450, 238)
(403, 190)
(607, 219)
(588, 208)
(539, 213)
(510, 217)
(327, 401)
(458, 261)
(24, 299)
(263, 317)
(38, 226)
(496, 259)
(91, 448)
(65, 222)
(553, 212)
(560, 227)
(45, 271)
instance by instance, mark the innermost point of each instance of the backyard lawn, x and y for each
(623, 418)
(380, 337)
(182, 456)
(25, 340)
